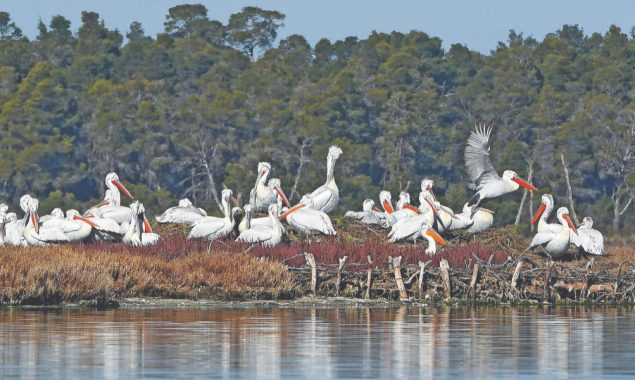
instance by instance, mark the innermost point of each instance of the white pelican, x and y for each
(139, 232)
(368, 215)
(111, 205)
(542, 215)
(591, 240)
(410, 228)
(266, 235)
(184, 213)
(105, 228)
(392, 216)
(56, 214)
(485, 180)
(307, 220)
(474, 221)
(557, 243)
(326, 197)
(404, 199)
(250, 222)
(74, 226)
(430, 235)
(211, 227)
(36, 235)
(261, 196)
(13, 230)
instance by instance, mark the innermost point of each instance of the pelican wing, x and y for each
(149, 238)
(320, 197)
(208, 227)
(50, 235)
(406, 229)
(107, 225)
(541, 238)
(177, 214)
(313, 220)
(255, 235)
(355, 214)
(477, 159)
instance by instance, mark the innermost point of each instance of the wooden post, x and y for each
(422, 270)
(396, 265)
(587, 276)
(519, 266)
(546, 291)
(472, 292)
(310, 259)
(369, 277)
(445, 276)
(339, 275)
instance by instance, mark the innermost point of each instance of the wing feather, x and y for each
(477, 159)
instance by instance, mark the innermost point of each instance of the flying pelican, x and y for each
(410, 228)
(591, 240)
(557, 243)
(36, 235)
(326, 197)
(13, 230)
(306, 219)
(211, 227)
(262, 196)
(482, 172)
(185, 213)
(542, 215)
(266, 235)
(139, 233)
(74, 226)
(368, 215)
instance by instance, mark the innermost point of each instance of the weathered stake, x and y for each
(445, 276)
(396, 265)
(472, 292)
(587, 278)
(516, 275)
(339, 274)
(546, 291)
(369, 277)
(310, 259)
(422, 271)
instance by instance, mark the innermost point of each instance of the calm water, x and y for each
(319, 343)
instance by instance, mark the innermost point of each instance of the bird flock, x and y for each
(110, 221)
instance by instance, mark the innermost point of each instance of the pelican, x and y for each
(211, 227)
(56, 214)
(74, 226)
(111, 205)
(368, 215)
(306, 219)
(393, 216)
(36, 235)
(262, 196)
(542, 215)
(266, 235)
(431, 236)
(410, 228)
(482, 218)
(184, 213)
(485, 180)
(139, 232)
(591, 240)
(326, 197)
(13, 230)
(250, 222)
(557, 243)
(106, 228)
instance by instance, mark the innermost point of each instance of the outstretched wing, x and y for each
(477, 160)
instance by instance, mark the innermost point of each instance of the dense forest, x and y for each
(195, 108)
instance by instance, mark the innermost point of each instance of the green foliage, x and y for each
(196, 108)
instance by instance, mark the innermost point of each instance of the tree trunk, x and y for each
(569, 191)
(298, 174)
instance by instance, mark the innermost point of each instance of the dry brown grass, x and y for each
(53, 275)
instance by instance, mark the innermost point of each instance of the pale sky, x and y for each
(479, 24)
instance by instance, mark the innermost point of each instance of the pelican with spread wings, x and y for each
(485, 180)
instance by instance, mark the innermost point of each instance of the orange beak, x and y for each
(122, 188)
(524, 184)
(541, 209)
(284, 197)
(432, 206)
(85, 220)
(146, 225)
(566, 217)
(387, 207)
(412, 208)
(34, 220)
(434, 235)
(291, 210)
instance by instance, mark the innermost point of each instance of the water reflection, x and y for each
(318, 343)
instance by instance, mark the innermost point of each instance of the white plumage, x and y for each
(591, 240)
(184, 213)
(211, 227)
(306, 220)
(266, 235)
(326, 197)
